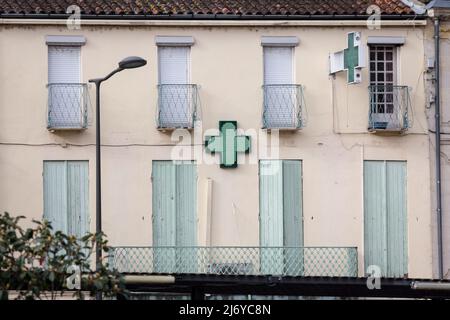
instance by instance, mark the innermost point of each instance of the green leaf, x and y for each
(98, 284)
(51, 276)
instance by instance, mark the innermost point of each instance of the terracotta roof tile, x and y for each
(199, 7)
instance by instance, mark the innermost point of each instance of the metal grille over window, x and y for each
(389, 103)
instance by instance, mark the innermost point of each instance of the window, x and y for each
(279, 91)
(389, 102)
(173, 65)
(67, 100)
(281, 216)
(66, 190)
(174, 214)
(177, 97)
(278, 65)
(385, 217)
(383, 77)
(283, 106)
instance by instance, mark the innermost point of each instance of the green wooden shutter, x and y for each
(66, 190)
(164, 218)
(77, 194)
(186, 204)
(293, 217)
(271, 216)
(396, 219)
(55, 194)
(174, 215)
(271, 203)
(281, 222)
(186, 218)
(385, 234)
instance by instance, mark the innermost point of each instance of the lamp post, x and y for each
(127, 63)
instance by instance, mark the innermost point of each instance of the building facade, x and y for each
(335, 166)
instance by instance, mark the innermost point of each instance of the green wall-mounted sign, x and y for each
(228, 144)
(352, 59)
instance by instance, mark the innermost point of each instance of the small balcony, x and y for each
(389, 108)
(178, 106)
(248, 261)
(284, 107)
(67, 106)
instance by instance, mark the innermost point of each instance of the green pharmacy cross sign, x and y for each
(351, 59)
(228, 144)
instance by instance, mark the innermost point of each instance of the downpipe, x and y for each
(437, 26)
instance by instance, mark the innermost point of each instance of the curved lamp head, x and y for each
(132, 62)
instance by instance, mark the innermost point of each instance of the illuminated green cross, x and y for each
(351, 57)
(228, 144)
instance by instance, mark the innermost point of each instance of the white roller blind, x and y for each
(278, 65)
(174, 65)
(64, 64)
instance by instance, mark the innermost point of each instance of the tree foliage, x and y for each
(40, 263)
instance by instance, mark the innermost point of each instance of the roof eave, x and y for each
(210, 17)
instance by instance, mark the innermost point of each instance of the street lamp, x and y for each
(127, 63)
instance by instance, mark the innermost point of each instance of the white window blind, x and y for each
(64, 64)
(278, 65)
(174, 65)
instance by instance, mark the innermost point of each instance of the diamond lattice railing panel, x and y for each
(389, 108)
(67, 106)
(280, 261)
(178, 105)
(284, 107)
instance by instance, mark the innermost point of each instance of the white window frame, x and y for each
(374, 50)
(395, 70)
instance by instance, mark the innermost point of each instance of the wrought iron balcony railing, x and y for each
(178, 106)
(284, 107)
(67, 106)
(254, 261)
(390, 108)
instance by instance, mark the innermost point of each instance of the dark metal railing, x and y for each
(390, 108)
